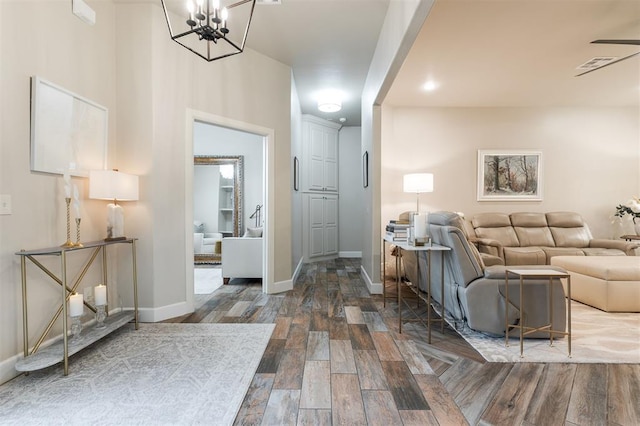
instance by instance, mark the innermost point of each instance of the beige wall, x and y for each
(147, 82)
(401, 26)
(590, 158)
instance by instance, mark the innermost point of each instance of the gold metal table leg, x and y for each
(569, 313)
(522, 318)
(506, 309)
(398, 286)
(25, 326)
(65, 337)
(135, 282)
(384, 273)
(429, 296)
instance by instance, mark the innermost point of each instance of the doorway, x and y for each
(211, 135)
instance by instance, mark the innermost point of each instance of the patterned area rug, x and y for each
(161, 374)
(597, 337)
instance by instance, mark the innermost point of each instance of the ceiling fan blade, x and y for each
(633, 42)
(610, 63)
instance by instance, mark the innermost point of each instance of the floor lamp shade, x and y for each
(116, 186)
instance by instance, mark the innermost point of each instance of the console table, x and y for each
(404, 246)
(63, 348)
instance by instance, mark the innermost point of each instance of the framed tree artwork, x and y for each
(509, 175)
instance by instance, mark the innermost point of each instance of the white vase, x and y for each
(637, 226)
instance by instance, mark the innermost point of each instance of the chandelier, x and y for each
(212, 29)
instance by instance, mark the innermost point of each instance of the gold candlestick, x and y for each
(68, 243)
(78, 243)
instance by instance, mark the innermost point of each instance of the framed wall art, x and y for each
(509, 175)
(68, 132)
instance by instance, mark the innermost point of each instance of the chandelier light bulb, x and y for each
(224, 15)
(215, 4)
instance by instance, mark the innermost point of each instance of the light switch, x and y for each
(5, 204)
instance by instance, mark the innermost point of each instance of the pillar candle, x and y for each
(420, 225)
(100, 294)
(75, 305)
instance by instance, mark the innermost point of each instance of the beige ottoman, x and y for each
(610, 283)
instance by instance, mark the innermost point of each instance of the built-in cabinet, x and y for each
(322, 225)
(319, 183)
(319, 154)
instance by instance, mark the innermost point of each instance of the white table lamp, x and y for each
(418, 183)
(116, 186)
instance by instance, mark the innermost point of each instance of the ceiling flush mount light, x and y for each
(212, 29)
(330, 101)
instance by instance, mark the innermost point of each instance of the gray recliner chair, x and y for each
(474, 294)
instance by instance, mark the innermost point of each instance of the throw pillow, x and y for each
(198, 227)
(253, 233)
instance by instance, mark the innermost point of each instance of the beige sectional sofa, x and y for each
(610, 284)
(535, 238)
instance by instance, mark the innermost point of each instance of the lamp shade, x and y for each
(418, 182)
(112, 185)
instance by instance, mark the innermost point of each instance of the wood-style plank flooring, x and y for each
(336, 358)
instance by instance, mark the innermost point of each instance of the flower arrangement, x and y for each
(632, 208)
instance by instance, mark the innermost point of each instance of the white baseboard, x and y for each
(281, 286)
(7, 369)
(350, 254)
(163, 312)
(297, 271)
(374, 288)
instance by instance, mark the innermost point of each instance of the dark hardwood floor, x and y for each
(336, 357)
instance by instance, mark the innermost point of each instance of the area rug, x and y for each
(161, 374)
(206, 280)
(597, 337)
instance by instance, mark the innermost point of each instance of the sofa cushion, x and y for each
(524, 256)
(531, 220)
(490, 220)
(571, 237)
(561, 251)
(505, 235)
(597, 251)
(253, 233)
(565, 219)
(539, 236)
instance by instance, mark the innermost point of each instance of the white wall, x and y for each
(206, 196)
(296, 197)
(350, 201)
(215, 140)
(131, 66)
(590, 158)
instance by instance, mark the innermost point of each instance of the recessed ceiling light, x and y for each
(430, 86)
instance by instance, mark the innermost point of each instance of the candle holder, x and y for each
(68, 243)
(76, 327)
(101, 315)
(78, 243)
